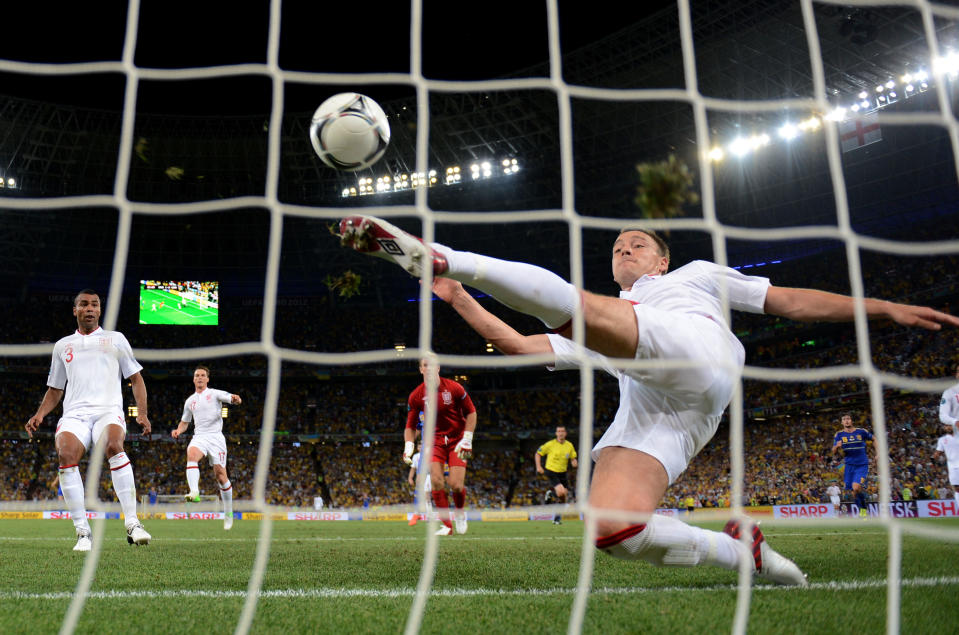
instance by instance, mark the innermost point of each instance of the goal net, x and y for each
(732, 88)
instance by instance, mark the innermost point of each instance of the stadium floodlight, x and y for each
(836, 114)
(224, 413)
(863, 95)
(864, 103)
(890, 84)
(880, 88)
(910, 88)
(11, 182)
(489, 348)
(345, 192)
(716, 154)
(948, 64)
(810, 124)
(854, 108)
(132, 412)
(921, 76)
(739, 147)
(788, 132)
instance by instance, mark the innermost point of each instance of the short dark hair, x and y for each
(202, 367)
(660, 243)
(76, 298)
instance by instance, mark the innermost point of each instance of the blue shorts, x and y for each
(856, 474)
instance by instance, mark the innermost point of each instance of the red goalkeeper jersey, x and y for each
(453, 404)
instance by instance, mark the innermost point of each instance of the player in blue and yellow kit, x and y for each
(852, 440)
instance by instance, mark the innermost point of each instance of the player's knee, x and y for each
(607, 528)
(113, 447)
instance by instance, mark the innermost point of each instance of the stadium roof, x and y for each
(61, 132)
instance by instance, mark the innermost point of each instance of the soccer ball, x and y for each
(349, 132)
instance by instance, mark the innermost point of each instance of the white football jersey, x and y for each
(832, 490)
(91, 368)
(949, 406)
(203, 409)
(949, 445)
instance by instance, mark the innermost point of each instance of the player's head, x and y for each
(847, 421)
(425, 367)
(637, 252)
(560, 433)
(86, 308)
(201, 377)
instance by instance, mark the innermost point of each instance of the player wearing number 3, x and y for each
(452, 442)
(90, 364)
(204, 408)
(667, 411)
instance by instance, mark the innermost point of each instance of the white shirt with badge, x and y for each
(204, 410)
(91, 368)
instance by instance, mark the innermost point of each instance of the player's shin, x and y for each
(669, 542)
(226, 494)
(71, 484)
(193, 477)
(123, 484)
(442, 504)
(526, 288)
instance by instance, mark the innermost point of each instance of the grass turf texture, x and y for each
(499, 578)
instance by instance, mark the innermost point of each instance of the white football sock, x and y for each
(122, 472)
(226, 493)
(669, 542)
(526, 288)
(193, 476)
(956, 494)
(71, 484)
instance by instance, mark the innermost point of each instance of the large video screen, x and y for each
(179, 302)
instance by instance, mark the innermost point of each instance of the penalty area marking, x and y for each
(329, 593)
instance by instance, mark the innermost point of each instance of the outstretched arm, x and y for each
(496, 331)
(811, 305)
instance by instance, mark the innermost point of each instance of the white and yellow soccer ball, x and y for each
(349, 132)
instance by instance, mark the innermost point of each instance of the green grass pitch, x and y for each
(501, 577)
(169, 313)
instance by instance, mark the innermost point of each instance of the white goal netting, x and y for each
(705, 110)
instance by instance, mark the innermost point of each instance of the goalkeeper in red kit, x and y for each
(452, 442)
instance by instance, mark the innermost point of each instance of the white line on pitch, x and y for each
(406, 592)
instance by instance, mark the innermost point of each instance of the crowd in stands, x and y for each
(787, 460)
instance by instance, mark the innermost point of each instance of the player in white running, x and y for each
(948, 446)
(204, 408)
(667, 412)
(834, 493)
(415, 467)
(949, 405)
(86, 370)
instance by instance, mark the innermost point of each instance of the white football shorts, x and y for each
(89, 425)
(954, 476)
(667, 412)
(212, 445)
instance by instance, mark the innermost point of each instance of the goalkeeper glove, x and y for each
(464, 449)
(408, 453)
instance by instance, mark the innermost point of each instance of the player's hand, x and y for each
(235, 400)
(921, 316)
(464, 449)
(33, 424)
(175, 433)
(144, 422)
(540, 470)
(408, 453)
